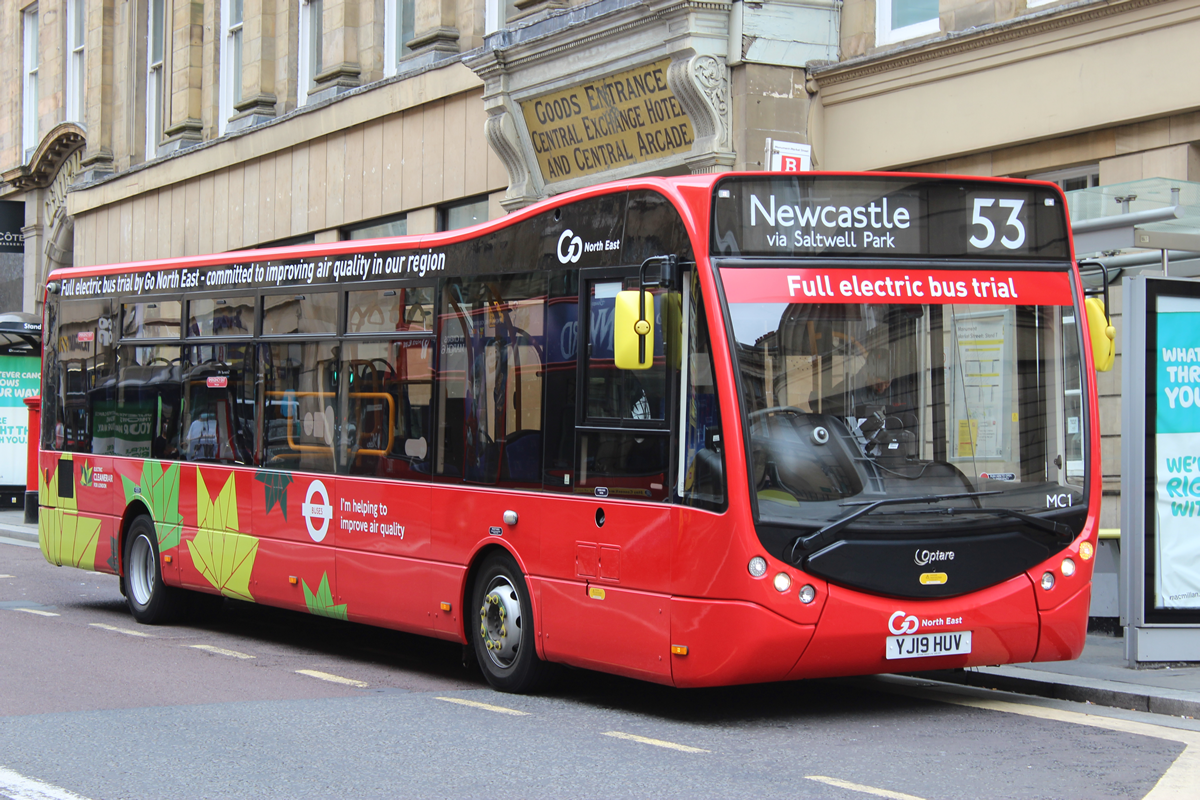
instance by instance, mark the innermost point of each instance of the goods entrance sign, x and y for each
(628, 118)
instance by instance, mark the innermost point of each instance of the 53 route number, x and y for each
(1010, 240)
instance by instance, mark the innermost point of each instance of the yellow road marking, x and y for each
(37, 611)
(858, 787)
(325, 676)
(632, 737)
(220, 651)
(1180, 780)
(484, 706)
(8, 576)
(125, 631)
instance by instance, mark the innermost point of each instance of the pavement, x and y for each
(1100, 676)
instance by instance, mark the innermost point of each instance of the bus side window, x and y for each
(86, 372)
(218, 404)
(143, 409)
(386, 405)
(489, 381)
(562, 358)
(299, 398)
(52, 411)
(702, 479)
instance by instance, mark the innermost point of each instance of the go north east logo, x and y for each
(571, 247)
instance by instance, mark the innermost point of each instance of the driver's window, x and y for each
(624, 439)
(632, 396)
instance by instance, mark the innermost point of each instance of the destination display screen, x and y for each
(887, 217)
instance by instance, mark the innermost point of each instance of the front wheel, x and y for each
(504, 635)
(150, 601)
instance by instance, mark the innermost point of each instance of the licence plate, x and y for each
(925, 645)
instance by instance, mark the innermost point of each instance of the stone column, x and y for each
(258, 103)
(339, 49)
(98, 100)
(436, 27)
(527, 8)
(182, 118)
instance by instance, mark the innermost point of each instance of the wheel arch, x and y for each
(134, 509)
(486, 549)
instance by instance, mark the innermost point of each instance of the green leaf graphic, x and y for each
(275, 484)
(321, 603)
(159, 488)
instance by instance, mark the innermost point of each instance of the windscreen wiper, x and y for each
(824, 535)
(1053, 527)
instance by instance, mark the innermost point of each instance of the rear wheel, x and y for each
(150, 601)
(504, 635)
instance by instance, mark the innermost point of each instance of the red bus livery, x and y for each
(705, 430)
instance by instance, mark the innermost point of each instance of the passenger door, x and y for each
(607, 551)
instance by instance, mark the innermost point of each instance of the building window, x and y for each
(898, 20)
(311, 34)
(29, 101)
(76, 63)
(231, 61)
(462, 214)
(400, 20)
(156, 34)
(1084, 177)
(378, 228)
(497, 14)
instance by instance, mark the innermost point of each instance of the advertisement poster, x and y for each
(1177, 448)
(20, 377)
(124, 430)
(980, 384)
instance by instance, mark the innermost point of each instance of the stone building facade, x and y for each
(146, 129)
(142, 129)
(1091, 94)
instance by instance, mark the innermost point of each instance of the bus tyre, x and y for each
(500, 625)
(150, 601)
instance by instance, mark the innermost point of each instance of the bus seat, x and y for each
(522, 458)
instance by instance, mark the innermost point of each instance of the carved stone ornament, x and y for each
(60, 239)
(504, 139)
(702, 85)
(60, 143)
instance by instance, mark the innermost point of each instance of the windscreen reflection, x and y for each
(852, 403)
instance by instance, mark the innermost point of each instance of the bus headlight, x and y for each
(783, 582)
(1047, 580)
(1068, 568)
(758, 566)
(807, 593)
